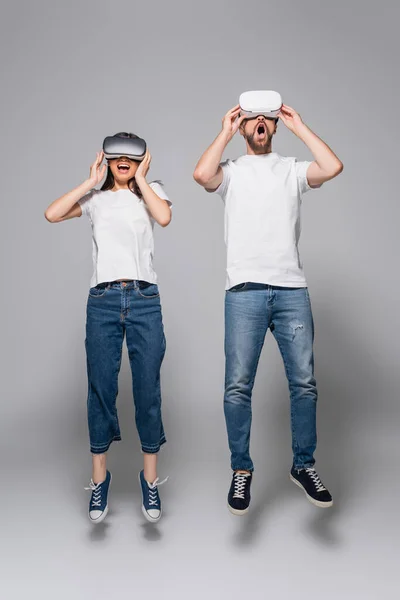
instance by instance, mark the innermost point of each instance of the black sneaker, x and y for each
(239, 493)
(308, 479)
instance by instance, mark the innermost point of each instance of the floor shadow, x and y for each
(322, 526)
(98, 533)
(151, 532)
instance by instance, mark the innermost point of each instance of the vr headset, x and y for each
(263, 102)
(115, 146)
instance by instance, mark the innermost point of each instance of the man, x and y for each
(266, 287)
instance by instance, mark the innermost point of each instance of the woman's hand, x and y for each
(143, 167)
(231, 121)
(97, 170)
(157, 206)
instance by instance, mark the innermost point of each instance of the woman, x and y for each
(123, 299)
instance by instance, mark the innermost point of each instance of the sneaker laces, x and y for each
(153, 491)
(96, 493)
(240, 484)
(312, 473)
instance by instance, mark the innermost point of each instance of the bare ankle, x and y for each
(99, 468)
(150, 467)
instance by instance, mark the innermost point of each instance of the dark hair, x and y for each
(109, 180)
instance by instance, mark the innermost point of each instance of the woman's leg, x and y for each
(146, 347)
(150, 467)
(99, 467)
(104, 339)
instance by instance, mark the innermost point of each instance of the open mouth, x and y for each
(261, 129)
(123, 167)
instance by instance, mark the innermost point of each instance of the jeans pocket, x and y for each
(238, 288)
(99, 290)
(148, 290)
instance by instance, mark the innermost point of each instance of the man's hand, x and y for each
(231, 122)
(208, 173)
(326, 164)
(291, 119)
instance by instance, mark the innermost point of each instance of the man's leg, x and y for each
(246, 323)
(293, 328)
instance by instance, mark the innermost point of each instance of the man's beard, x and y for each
(259, 147)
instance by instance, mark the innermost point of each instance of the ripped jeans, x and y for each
(250, 310)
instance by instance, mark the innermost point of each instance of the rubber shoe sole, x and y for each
(309, 498)
(101, 518)
(149, 518)
(237, 512)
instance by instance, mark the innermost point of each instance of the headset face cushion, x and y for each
(262, 102)
(134, 148)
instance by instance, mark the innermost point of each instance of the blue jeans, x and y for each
(113, 310)
(250, 310)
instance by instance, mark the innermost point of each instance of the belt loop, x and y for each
(135, 285)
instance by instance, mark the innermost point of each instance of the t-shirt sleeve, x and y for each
(158, 188)
(86, 203)
(301, 167)
(222, 189)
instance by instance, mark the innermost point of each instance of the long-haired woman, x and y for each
(123, 300)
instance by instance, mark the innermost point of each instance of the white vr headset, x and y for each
(263, 102)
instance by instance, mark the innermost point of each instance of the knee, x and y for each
(304, 385)
(238, 394)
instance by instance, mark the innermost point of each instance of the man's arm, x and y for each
(326, 164)
(208, 173)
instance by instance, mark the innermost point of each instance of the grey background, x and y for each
(73, 73)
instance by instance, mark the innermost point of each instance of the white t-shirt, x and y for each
(262, 196)
(122, 234)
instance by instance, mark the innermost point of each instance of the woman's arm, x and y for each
(158, 207)
(67, 207)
